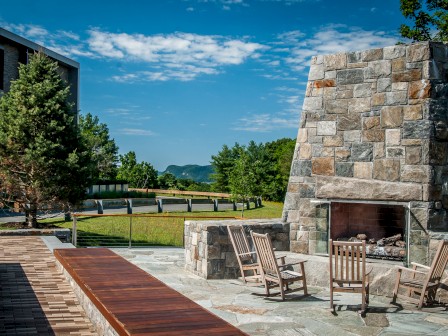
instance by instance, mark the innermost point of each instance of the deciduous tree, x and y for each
(138, 174)
(222, 165)
(271, 171)
(168, 181)
(243, 179)
(104, 149)
(43, 160)
(429, 17)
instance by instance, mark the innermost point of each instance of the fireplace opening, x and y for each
(382, 226)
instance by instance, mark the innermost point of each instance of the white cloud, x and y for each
(295, 49)
(178, 56)
(265, 123)
(63, 42)
(27, 30)
(172, 48)
(119, 111)
(290, 100)
(137, 132)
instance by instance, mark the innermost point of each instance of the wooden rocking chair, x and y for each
(272, 274)
(348, 270)
(424, 280)
(246, 257)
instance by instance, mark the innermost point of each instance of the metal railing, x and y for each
(131, 230)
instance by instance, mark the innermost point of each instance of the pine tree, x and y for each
(43, 160)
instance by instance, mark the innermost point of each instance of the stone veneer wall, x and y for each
(11, 71)
(209, 252)
(373, 127)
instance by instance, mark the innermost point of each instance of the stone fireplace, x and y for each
(371, 155)
(383, 226)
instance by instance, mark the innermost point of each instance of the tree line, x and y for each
(254, 170)
(48, 157)
(245, 171)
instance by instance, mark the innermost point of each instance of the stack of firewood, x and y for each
(392, 246)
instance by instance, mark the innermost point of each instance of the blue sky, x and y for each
(175, 80)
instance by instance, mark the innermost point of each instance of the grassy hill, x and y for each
(194, 172)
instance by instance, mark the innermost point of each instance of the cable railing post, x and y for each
(74, 236)
(130, 231)
(183, 234)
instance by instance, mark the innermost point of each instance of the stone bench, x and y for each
(122, 299)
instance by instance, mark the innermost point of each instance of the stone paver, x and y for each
(35, 298)
(248, 309)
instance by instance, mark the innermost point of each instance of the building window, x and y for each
(2, 68)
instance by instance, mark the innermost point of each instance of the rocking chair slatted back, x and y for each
(240, 242)
(245, 257)
(265, 253)
(439, 263)
(416, 288)
(349, 261)
(273, 274)
(348, 270)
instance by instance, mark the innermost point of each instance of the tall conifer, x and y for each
(43, 161)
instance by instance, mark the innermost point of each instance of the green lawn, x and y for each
(160, 229)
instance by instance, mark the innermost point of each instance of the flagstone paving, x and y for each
(248, 309)
(35, 298)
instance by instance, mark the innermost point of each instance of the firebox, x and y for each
(382, 226)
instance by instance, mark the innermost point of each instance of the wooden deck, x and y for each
(134, 302)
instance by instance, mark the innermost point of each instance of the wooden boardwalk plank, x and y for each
(133, 301)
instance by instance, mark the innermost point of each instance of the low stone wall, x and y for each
(64, 235)
(209, 252)
(102, 326)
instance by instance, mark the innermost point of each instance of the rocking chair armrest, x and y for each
(281, 259)
(292, 264)
(402, 268)
(420, 265)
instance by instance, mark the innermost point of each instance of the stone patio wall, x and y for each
(209, 252)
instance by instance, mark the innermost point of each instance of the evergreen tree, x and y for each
(43, 160)
(104, 149)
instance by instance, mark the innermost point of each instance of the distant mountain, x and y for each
(194, 172)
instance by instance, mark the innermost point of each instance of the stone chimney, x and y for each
(373, 130)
